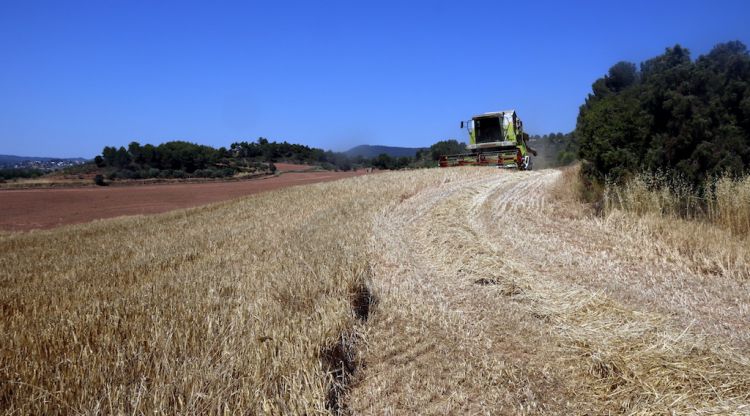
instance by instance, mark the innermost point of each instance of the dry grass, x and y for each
(567, 191)
(730, 206)
(710, 228)
(724, 202)
(656, 193)
(231, 307)
(497, 293)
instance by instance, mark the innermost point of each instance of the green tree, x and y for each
(122, 158)
(383, 161)
(136, 153)
(621, 75)
(446, 147)
(689, 118)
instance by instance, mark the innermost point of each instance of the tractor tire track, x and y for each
(483, 310)
(435, 346)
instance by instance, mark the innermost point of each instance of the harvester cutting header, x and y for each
(495, 139)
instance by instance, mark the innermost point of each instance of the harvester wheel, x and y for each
(525, 163)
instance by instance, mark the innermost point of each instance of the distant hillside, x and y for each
(37, 162)
(369, 151)
(11, 159)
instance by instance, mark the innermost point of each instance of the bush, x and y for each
(14, 173)
(127, 174)
(213, 173)
(99, 180)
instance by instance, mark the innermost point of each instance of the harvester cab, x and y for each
(495, 139)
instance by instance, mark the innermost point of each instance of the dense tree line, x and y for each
(691, 118)
(387, 162)
(178, 159)
(264, 150)
(170, 159)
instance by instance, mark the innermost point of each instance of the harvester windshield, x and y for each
(487, 130)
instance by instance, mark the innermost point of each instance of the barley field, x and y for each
(454, 291)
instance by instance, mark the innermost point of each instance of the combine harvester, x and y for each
(495, 139)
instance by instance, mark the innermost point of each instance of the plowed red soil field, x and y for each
(28, 209)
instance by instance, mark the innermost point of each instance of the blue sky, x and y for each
(76, 76)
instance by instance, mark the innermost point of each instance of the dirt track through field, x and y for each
(491, 300)
(47, 208)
